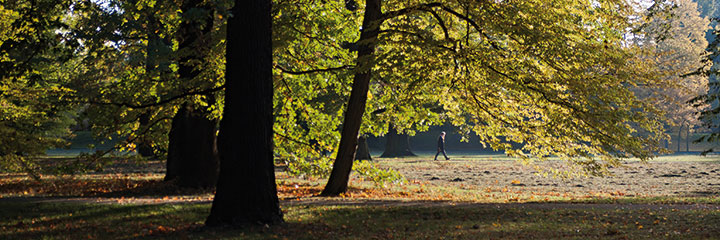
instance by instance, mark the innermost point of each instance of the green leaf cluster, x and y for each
(35, 60)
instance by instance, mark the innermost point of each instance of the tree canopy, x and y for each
(677, 53)
(35, 60)
(554, 79)
(532, 78)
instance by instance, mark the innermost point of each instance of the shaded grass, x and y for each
(43, 220)
(497, 211)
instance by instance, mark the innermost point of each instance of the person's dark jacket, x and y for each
(441, 143)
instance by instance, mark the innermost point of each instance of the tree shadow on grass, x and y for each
(72, 220)
(355, 220)
(100, 188)
(437, 220)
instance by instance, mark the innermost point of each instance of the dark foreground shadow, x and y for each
(372, 219)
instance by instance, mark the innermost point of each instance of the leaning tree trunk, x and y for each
(192, 151)
(363, 151)
(396, 145)
(356, 105)
(246, 191)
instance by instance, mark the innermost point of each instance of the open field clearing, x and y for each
(671, 177)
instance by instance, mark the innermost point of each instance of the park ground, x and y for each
(471, 196)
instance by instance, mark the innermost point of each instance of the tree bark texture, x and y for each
(363, 151)
(192, 151)
(246, 192)
(356, 105)
(396, 145)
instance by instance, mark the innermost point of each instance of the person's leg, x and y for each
(444, 154)
(436, 154)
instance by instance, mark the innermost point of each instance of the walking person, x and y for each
(441, 146)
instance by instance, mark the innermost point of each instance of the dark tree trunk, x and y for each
(396, 145)
(192, 152)
(192, 37)
(356, 105)
(154, 45)
(246, 191)
(687, 139)
(144, 145)
(363, 151)
(679, 139)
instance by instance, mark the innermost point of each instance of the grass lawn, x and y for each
(468, 197)
(38, 220)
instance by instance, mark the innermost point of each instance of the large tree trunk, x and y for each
(192, 152)
(363, 151)
(358, 97)
(396, 145)
(246, 191)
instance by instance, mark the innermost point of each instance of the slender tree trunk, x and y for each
(396, 145)
(679, 136)
(687, 139)
(356, 105)
(363, 151)
(246, 190)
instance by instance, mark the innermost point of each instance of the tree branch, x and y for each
(321, 70)
(93, 158)
(474, 25)
(417, 35)
(428, 7)
(441, 23)
(162, 102)
(400, 12)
